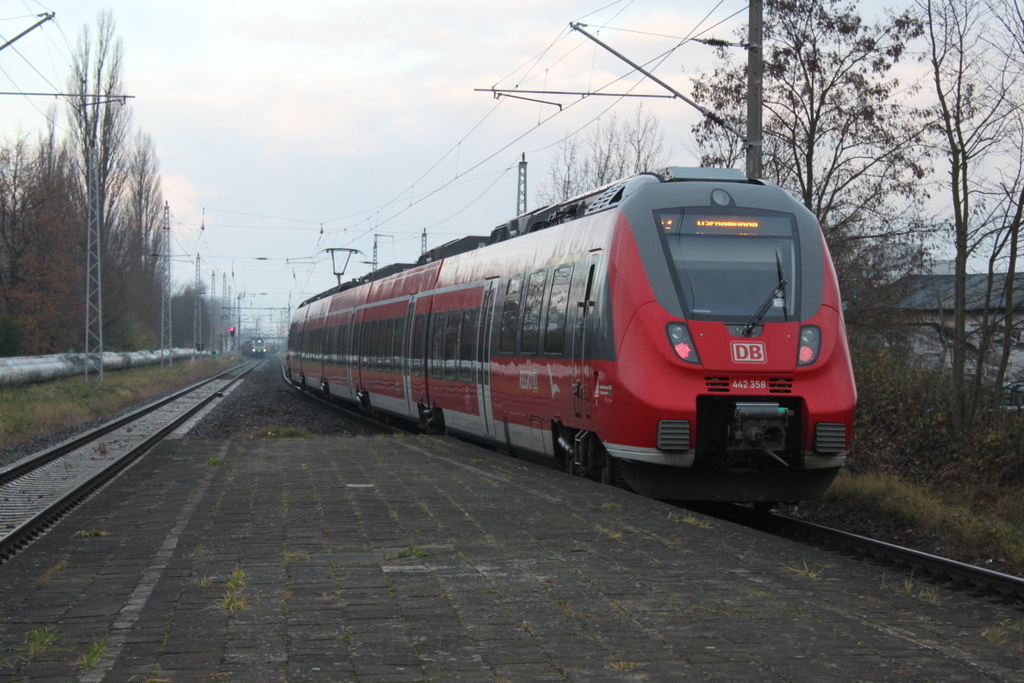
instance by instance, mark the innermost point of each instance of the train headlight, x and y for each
(682, 342)
(810, 344)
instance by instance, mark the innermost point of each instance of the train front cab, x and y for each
(734, 379)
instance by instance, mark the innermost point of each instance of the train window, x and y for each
(367, 345)
(509, 322)
(356, 343)
(531, 312)
(558, 305)
(484, 342)
(379, 327)
(728, 261)
(451, 345)
(437, 346)
(419, 340)
(388, 345)
(398, 362)
(343, 344)
(510, 317)
(467, 352)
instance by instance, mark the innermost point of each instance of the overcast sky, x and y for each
(275, 121)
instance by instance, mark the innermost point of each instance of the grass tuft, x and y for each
(48, 574)
(91, 533)
(412, 551)
(237, 580)
(93, 655)
(39, 640)
(284, 433)
(232, 602)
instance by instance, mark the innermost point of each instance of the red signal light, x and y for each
(232, 331)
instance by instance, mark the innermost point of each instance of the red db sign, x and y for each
(749, 352)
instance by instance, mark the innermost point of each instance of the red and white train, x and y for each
(680, 332)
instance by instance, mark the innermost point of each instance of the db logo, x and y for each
(748, 352)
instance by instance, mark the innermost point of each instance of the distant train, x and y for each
(256, 348)
(678, 332)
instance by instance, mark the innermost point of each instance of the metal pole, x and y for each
(521, 195)
(165, 317)
(197, 307)
(755, 82)
(93, 272)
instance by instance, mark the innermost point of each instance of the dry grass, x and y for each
(993, 530)
(36, 409)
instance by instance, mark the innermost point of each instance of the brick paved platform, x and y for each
(427, 559)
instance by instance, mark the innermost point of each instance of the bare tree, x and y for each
(101, 122)
(40, 257)
(612, 150)
(836, 135)
(141, 218)
(977, 94)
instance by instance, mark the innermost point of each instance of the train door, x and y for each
(581, 388)
(407, 354)
(483, 347)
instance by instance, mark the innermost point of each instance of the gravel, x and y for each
(265, 402)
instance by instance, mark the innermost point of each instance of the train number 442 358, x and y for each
(749, 384)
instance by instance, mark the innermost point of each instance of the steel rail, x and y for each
(36, 460)
(34, 525)
(960, 572)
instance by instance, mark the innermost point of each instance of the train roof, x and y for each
(592, 201)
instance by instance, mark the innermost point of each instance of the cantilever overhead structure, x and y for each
(755, 71)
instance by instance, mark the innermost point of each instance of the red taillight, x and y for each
(810, 344)
(682, 342)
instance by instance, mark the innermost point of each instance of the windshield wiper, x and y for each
(748, 329)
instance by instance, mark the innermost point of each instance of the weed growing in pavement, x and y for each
(284, 433)
(206, 581)
(412, 551)
(48, 574)
(623, 665)
(817, 575)
(995, 635)
(699, 523)
(289, 556)
(232, 602)
(609, 533)
(1015, 626)
(611, 506)
(93, 655)
(237, 580)
(931, 596)
(214, 462)
(91, 533)
(39, 640)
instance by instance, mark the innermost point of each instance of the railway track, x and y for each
(38, 490)
(352, 414)
(941, 568)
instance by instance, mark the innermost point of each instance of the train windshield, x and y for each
(730, 262)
